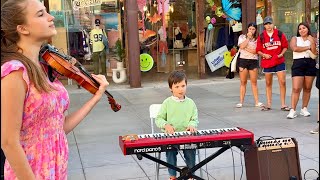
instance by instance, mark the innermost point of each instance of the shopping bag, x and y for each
(234, 62)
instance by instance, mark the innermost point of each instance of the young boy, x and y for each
(178, 113)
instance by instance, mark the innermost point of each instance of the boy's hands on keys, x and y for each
(191, 129)
(169, 129)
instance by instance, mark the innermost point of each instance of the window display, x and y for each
(88, 31)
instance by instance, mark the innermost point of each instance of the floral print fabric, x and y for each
(42, 136)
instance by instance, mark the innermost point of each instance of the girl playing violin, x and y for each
(33, 121)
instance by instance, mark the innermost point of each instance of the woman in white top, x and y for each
(248, 63)
(303, 69)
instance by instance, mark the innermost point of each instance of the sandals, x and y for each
(265, 108)
(260, 105)
(285, 108)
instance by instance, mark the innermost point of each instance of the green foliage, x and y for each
(120, 51)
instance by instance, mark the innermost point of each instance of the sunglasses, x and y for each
(271, 40)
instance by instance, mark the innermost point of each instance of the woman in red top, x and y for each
(271, 46)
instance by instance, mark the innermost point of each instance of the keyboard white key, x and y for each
(188, 133)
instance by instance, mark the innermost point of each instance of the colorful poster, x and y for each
(111, 21)
(215, 59)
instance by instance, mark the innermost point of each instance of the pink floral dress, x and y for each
(42, 136)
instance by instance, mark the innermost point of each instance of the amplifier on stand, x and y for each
(273, 159)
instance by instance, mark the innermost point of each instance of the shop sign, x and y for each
(85, 3)
(215, 59)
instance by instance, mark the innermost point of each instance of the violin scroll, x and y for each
(114, 105)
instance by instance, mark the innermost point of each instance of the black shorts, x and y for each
(304, 67)
(249, 64)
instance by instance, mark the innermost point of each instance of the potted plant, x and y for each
(120, 52)
(119, 75)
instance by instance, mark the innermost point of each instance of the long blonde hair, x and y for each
(13, 14)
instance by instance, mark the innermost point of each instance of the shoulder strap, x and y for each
(103, 32)
(280, 34)
(261, 37)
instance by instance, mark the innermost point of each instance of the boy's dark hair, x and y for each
(176, 77)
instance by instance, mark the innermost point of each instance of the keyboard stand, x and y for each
(186, 172)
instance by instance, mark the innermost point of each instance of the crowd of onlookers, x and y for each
(271, 46)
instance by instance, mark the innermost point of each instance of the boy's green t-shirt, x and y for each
(179, 114)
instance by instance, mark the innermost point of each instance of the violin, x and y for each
(61, 63)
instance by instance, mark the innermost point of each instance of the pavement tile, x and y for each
(74, 162)
(75, 174)
(307, 164)
(115, 172)
(102, 154)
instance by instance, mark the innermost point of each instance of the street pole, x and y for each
(133, 49)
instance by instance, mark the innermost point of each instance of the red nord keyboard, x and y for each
(161, 142)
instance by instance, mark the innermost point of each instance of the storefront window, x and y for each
(223, 26)
(175, 46)
(75, 20)
(287, 14)
(260, 14)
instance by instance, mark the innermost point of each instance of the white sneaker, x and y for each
(292, 114)
(315, 131)
(304, 112)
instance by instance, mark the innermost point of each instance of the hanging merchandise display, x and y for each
(211, 2)
(163, 8)
(213, 20)
(259, 19)
(227, 58)
(155, 18)
(141, 5)
(237, 27)
(231, 11)
(178, 43)
(163, 47)
(210, 27)
(208, 18)
(219, 11)
(163, 59)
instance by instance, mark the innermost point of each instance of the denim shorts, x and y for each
(275, 69)
(303, 67)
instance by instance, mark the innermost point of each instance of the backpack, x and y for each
(262, 37)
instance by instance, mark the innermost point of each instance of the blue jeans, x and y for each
(189, 155)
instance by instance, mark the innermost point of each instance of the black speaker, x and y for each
(273, 159)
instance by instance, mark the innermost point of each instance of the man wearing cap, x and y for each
(271, 46)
